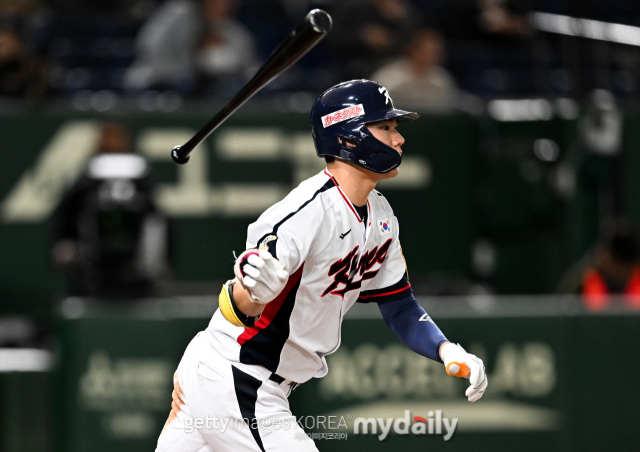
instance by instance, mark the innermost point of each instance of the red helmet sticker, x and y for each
(342, 115)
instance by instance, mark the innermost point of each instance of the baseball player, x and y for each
(332, 242)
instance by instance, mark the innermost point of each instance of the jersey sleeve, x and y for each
(392, 282)
(287, 230)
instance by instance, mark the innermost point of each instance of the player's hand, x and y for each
(459, 363)
(261, 274)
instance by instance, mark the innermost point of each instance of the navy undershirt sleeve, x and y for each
(403, 318)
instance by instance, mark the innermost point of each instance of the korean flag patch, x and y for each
(385, 228)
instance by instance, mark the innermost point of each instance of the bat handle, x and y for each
(461, 369)
(177, 157)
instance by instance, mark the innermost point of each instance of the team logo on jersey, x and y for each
(385, 227)
(345, 270)
(342, 115)
(264, 245)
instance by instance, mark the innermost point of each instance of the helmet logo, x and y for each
(383, 90)
(342, 115)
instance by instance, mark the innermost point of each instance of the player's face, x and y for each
(386, 132)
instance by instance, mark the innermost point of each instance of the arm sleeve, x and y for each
(413, 326)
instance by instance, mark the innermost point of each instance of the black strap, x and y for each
(278, 379)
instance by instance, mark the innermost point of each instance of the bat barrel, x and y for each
(306, 35)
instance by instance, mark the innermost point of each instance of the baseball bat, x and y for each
(302, 39)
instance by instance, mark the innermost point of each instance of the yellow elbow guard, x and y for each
(229, 309)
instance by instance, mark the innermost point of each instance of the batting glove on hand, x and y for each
(459, 363)
(261, 274)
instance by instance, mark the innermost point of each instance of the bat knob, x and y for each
(320, 20)
(177, 158)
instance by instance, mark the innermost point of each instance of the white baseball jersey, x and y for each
(334, 259)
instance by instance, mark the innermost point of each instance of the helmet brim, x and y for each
(399, 115)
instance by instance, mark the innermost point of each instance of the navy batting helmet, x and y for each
(343, 111)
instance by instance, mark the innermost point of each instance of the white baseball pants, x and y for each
(230, 407)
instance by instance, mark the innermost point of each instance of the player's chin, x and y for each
(391, 174)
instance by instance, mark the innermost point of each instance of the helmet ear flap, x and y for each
(347, 141)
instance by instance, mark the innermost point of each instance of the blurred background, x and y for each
(519, 201)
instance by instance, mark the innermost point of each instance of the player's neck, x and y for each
(354, 181)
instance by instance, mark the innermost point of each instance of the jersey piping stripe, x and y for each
(386, 293)
(329, 184)
(344, 197)
(396, 291)
(263, 343)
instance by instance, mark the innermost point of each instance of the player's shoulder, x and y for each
(313, 196)
(320, 187)
(378, 201)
